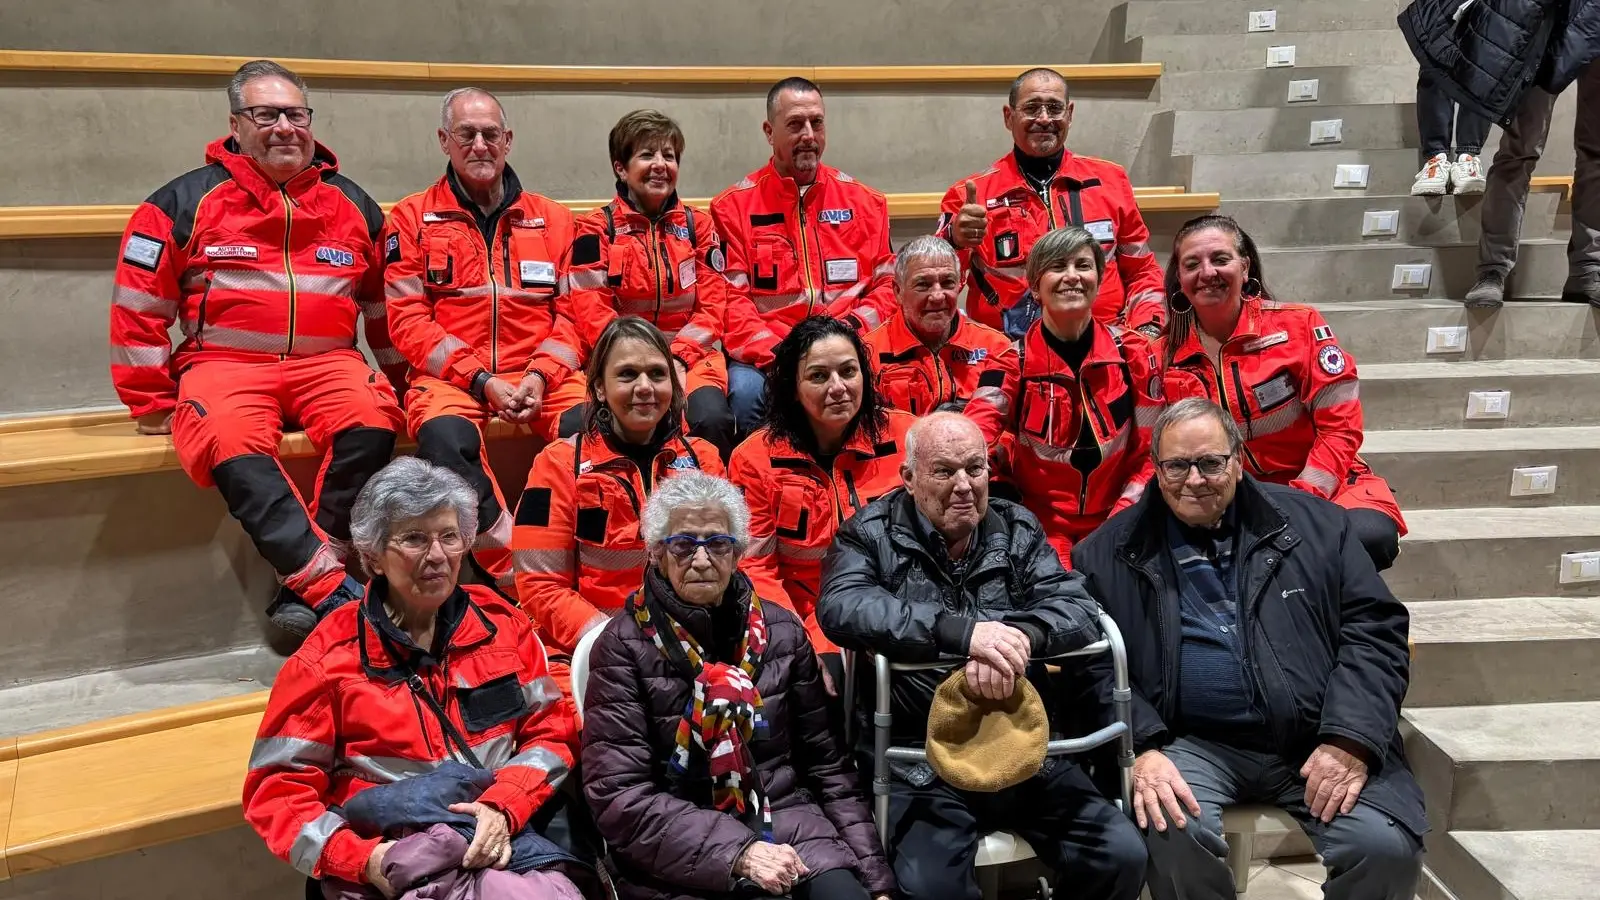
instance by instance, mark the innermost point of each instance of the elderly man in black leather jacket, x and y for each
(939, 570)
(1268, 662)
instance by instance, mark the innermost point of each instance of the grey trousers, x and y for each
(1369, 855)
(1505, 196)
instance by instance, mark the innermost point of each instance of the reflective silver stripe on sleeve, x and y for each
(560, 351)
(141, 302)
(307, 847)
(403, 287)
(1133, 492)
(995, 397)
(1339, 392)
(1134, 249)
(738, 279)
(697, 334)
(494, 752)
(611, 559)
(386, 769)
(329, 285)
(540, 693)
(388, 356)
(124, 355)
(1326, 481)
(290, 753)
(868, 317)
(543, 562)
(1285, 416)
(1119, 441)
(770, 303)
(440, 354)
(554, 769)
(1046, 451)
(375, 311)
(249, 280)
(1146, 414)
(762, 546)
(586, 279)
(799, 552)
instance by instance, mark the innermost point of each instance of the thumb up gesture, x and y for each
(970, 222)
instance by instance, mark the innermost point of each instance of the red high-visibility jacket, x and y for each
(824, 252)
(342, 718)
(576, 544)
(1086, 191)
(796, 506)
(669, 271)
(919, 380)
(1290, 386)
(1082, 442)
(460, 305)
(252, 270)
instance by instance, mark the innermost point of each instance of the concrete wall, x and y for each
(233, 864)
(598, 32)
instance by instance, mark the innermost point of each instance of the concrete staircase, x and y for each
(1503, 712)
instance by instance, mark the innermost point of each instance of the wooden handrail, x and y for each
(386, 70)
(21, 222)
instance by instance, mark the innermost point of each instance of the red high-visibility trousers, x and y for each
(227, 427)
(448, 424)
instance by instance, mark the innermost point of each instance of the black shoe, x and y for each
(290, 613)
(1587, 293)
(1489, 292)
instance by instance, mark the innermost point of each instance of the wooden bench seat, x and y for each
(124, 784)
(25, 222)
(1562, 183)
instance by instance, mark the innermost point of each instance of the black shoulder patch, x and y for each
(534, 507)
(885, 448)
(369, 208)
(585, 250)
(768, 219)
(992, 378)
(180, 198)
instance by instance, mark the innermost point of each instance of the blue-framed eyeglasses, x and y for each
(684, 546)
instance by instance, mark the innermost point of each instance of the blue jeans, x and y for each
(1369, 855)
(747, 396)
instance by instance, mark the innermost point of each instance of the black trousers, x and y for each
(834, 884)
(1435, 113)
(1092, 847)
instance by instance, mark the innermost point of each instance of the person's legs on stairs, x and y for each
(747, 396)
(1434, 111)
(1505, 195)
(447, 424)
(1583, 248)
(1468, 172)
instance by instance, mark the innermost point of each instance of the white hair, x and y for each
(1189, 409)
(409, 488)
(450, 98)
(926, 248)
(695, 490)
(928, 423)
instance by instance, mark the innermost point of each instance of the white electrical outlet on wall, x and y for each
(1412, 277)
(1263, 20)
(1447, 339)
(1578, 567)
(1531, 481)
(1303, 90)
(1350, 176)
(1376, 222)
(1279, 57)
(1327, 131)
(1488, 404)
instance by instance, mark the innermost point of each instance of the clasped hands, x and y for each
(997, 658)
(517, 403)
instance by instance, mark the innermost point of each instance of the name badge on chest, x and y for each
(1274, 391)
(537, 272)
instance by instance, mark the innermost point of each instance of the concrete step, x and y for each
(1430, 395)
(1273, 129)
(1518, 865)
(1204, 52)
(1510, 767)
(1422, 221)
(1441, 469)
(1301, 174)
(1251, 88)
(1365, 271)
(1152, 17)
(1504, 650)
(1396, 331)
(1474, 553)
(79, 699)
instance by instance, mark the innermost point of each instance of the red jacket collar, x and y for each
(623, 207)
(902, 339)
(247, 173)
(768, 174)
(379, 638)
(858, 444)
(1107, 350)
(599, 449)
(1248, 326)
(1013, 172)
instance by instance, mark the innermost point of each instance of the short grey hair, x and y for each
(258, 68)
(695, 490)
(1189, 409)
(409, 488)
(444, 108)
(928, 422)
(924, 249)
(1059, 246)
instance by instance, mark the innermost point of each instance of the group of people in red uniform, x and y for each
(775, 337)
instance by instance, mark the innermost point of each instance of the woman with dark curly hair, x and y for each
(828, 447)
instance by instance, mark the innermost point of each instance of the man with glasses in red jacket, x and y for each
(265, 257)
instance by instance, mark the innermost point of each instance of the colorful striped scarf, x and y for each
(724, 712)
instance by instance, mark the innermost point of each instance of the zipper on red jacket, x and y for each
(200, 324)
(1227, 404)
(655, 268)
(494, 296)
(288, 267)
(805, 252)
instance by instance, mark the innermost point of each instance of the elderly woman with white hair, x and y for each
(415, 735)
(708, 757)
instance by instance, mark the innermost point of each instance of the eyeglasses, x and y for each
(267, 116)
(416, 543)
(466, 135)
(1211, 465)
(1043, 110)
(683, 547)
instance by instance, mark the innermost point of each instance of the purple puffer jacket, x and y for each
(427, 866)
(665, 838)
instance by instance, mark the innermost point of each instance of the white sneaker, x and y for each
(1434, 179)
(1466, 174)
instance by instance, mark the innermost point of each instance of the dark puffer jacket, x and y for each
(1492, 56)
(1574, 45)
(666, 839)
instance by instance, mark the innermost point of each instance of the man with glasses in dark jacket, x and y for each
(939, 570)
(1268, 662)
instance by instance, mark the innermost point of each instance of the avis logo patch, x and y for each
(835, 216)
(679, 232)
(333, 256)
(683, 462)
(978, 355)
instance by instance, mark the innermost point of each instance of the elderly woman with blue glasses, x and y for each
(708, 757)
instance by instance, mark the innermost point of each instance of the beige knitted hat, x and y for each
(983, 745)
